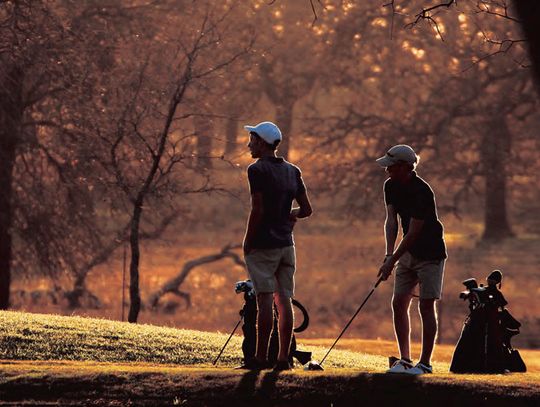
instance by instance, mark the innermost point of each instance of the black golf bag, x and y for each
(484, 345)
(249, 313)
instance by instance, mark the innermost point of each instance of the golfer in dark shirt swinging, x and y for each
(420, 255)
(268, 244)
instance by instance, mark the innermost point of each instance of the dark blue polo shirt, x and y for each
(280, 182)
(415, 199)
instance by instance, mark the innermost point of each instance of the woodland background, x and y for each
(122, 153)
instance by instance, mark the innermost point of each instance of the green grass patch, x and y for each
(27, 336)
(72, 360)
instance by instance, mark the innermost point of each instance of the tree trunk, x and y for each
(284, 118)
(529, 15)
(231, 132)
(134, 292)
(284, 94)
(11, 112)
(74, 296)
(204, 132)
(494, 153)
(79, 290)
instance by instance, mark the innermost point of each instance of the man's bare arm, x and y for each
(390, 229)
(415, 226)
(406, 243)
(304, 210)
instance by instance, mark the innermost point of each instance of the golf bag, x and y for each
(249, 328)
(484, 345)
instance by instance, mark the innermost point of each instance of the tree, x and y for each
(37, 57)
(394, 93)
(239, 99)
(61, 92)
(289, 49)
(63, 54)
(145, 143)
(504, 53)
(528, 12)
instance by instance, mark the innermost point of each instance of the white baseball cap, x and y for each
(400, 152)
(268, 131)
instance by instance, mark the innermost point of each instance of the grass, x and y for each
(51, 337)
(72, 360)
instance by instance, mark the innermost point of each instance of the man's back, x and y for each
(280, 182)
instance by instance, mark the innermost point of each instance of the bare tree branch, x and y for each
(485, 6)
(504, 46)
(427, 14)
(393, 10)
(173, 285)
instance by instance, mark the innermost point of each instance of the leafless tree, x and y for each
(149, 145)
(63, 68)
(38, 60)
(56, 58)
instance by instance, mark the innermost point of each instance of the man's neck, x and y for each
(407, 178)
(266, 154)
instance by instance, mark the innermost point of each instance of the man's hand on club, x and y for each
(386, 269)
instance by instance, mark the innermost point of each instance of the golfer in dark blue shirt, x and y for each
(420, 255)
(268, 244)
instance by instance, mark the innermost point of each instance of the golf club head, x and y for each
(313, 365)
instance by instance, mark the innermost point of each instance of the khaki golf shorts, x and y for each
(272, 270)
(411, 271)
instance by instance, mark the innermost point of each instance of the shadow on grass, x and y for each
(248, 383)
(268, 384)
(249, 391)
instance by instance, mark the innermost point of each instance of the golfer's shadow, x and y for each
(248, 384)
(388, 383)
(268, 384)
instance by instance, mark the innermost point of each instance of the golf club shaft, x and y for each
(352, 319)
(230, 336)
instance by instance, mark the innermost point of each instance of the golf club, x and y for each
(313, 365)
(230, 336)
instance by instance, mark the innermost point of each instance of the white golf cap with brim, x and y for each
(398, 153)
(268, 131)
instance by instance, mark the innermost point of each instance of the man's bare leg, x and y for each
(402, 326)
(285, 324)
(429, 329)
(265, 319)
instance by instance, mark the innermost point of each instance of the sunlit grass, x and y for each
(49, 350)
(26, 336)
(377, 351)
(43, 337)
